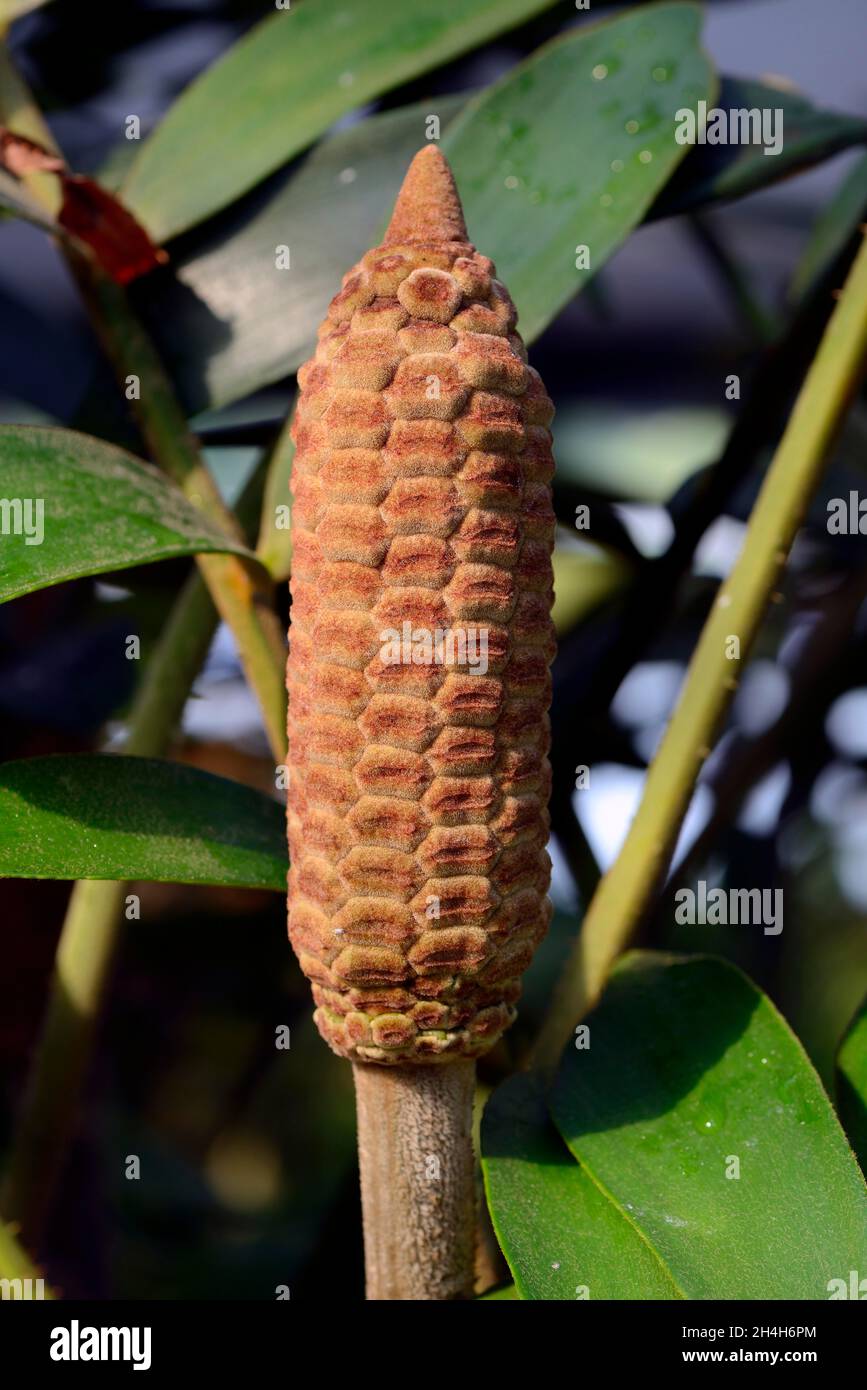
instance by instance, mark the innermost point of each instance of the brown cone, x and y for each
(418, 783)
(428, 208)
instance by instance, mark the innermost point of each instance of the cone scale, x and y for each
(420, 646)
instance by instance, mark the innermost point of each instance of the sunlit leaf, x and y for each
(100, 816)
(569, 149)
(283, 84)
(71, 505)
(697, 1110)
(233, 322)
(562, 1237)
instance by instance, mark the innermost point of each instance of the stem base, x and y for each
(417, 1179)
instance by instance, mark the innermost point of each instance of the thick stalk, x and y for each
(625, 893)
(415, 1153)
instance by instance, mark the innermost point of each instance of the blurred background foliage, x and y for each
(249, 1177)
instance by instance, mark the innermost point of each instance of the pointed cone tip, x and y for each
(428, 207)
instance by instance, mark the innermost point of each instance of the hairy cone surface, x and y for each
(418, 792)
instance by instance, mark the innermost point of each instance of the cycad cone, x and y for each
(418, 787)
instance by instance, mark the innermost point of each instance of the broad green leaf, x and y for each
(234, 322)
(561, 1236)
(636, 455)
(569, 149)
(585, 576)
(836, 223)
(284, 84)
(713, 173)
(692, 1075)
(71, 505)
(106, 816)
(852, 1084)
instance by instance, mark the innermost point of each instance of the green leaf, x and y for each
(585, 576)
(559, 1233)
(690, 1067)
(101, 510)
(836, 223)
(112, 817)
(636, 455)
(274, 547)
(570, 149)
(233, 322)
(713, 173)
(852, 1083)
(285, 83)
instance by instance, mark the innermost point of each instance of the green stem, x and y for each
(627, 889)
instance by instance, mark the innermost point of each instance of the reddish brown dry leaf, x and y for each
(120, 244)
(122, 247)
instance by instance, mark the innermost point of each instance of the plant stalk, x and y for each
(415, 1154)
(626, 891)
